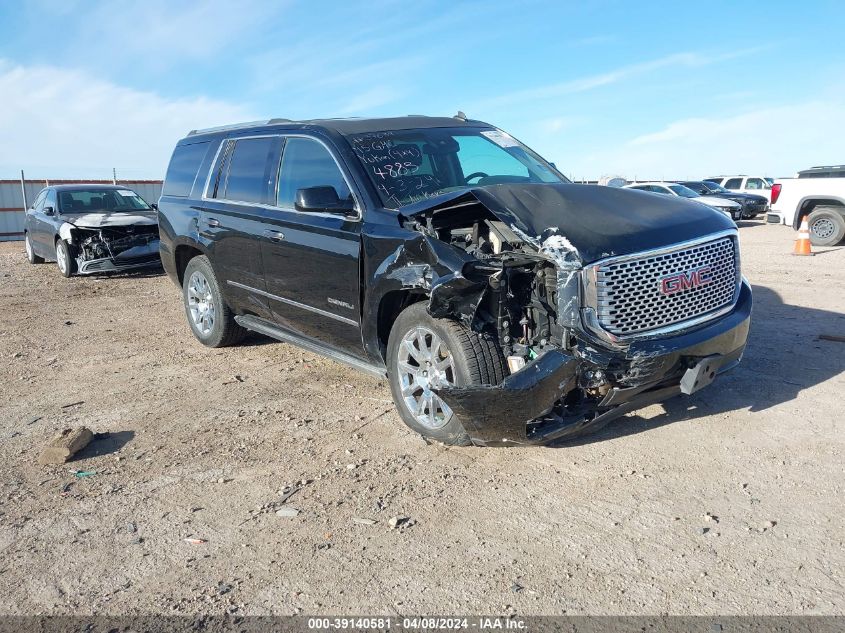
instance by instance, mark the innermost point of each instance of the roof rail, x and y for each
(237, 126)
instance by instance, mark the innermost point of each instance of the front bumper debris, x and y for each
(527, 407)
(146, 256)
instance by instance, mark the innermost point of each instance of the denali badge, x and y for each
(678, 282)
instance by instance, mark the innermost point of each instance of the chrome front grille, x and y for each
(638, 294)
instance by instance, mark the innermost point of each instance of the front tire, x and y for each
(827, 226)
(424, 352)
(211, 320)
(66, 263)
(30, 252)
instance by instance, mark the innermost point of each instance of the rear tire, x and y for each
(453, 354)
(827, 226)
(64, 260)
(211, 320)
(30, 253)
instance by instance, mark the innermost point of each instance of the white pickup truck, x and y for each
(820, 200)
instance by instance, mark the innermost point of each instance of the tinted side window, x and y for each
(733, 183)
(307, 163)
(754, 183)
(250, 170)
(39, 200)
(183, 169)
(51, 200)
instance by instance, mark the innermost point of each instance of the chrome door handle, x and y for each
(213, 222)
(276, 236)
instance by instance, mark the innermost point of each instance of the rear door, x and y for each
(232, 217)
(311, 260)
(38, 228)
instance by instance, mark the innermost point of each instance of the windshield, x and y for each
(101, 201)
(407, 166)
(712, 186)
(684, 192)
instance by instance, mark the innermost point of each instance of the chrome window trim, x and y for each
(275, 207)
(296, 304)
(589, 293)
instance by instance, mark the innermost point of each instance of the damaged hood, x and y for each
(106, 219)
(591, 222)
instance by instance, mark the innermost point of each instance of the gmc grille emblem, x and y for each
(679, 282)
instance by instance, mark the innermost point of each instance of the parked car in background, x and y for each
(820, 200)
(504, 304)
(761, 185)
(823, 171)
(752, 205)
(91, 229)
(730, 208)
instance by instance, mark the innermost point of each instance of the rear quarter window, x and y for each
(183, 169)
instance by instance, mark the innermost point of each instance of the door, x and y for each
(758, 186)
(231, 218)
(311, 260)
(37, 227)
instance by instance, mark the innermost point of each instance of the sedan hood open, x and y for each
(590, 221)
(107, 219)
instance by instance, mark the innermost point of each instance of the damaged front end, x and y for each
(112, 248)
(588, 336)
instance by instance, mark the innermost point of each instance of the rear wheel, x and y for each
(66, 263)
(425, 353)
(211, 320)
(827, 226)
(30, 253)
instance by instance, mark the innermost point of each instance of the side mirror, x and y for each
(322, 200)
(154, 205)
(49, 211)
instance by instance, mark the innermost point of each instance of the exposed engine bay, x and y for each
(111, 248)
(528, 290)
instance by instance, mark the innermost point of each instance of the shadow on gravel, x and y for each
(99, 446)
(141, 273)
(783, 357)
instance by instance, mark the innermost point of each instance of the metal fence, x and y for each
(12, 208)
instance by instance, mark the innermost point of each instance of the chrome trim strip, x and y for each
(296, 304)
(590, 293)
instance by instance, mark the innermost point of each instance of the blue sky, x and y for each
(646, 90)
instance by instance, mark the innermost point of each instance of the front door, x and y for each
(311, 260)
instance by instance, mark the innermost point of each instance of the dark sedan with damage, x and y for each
(91, 229)
(504, 304)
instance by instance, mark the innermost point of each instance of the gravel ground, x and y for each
(727, 502)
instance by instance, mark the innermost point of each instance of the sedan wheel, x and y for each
(30, 253)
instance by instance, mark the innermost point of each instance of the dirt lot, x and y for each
(203, 441)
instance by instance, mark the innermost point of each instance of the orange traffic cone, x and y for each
(802, 244)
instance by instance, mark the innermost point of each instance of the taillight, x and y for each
(776, 192)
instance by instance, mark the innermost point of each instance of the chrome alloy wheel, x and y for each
(424, 362)
(201, 303)
(823, 228)
(61, 256)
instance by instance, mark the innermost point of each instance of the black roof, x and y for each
(351, 126)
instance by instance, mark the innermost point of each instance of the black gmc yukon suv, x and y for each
(504, 304)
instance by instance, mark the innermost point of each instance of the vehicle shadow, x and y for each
(141, 273)
(105, 444)
(783, 357)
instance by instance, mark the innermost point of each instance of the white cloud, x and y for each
(67, 123)
(615, 75)
(774, 141)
